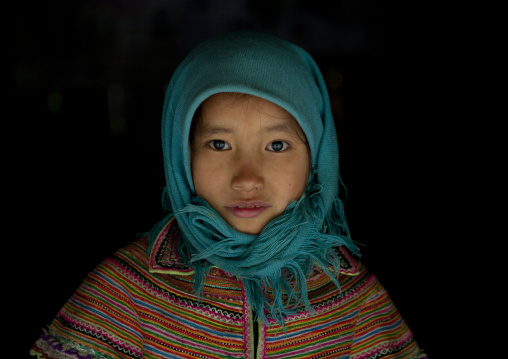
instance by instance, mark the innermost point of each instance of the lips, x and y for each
(247, 209)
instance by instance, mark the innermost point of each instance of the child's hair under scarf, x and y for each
(282, 255)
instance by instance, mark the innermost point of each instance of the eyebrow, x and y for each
(214, 130)
(217, 129)
(282, 127)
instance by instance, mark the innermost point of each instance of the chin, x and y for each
(248, 228)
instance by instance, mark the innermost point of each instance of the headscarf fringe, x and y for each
(245, 256)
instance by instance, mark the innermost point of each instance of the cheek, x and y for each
(301, 177)
(198, 175)
(301, 170)
(295, 181)
(206, 175)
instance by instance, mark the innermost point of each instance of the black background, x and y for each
(88, 81)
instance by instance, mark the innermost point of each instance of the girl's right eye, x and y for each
(219, 145)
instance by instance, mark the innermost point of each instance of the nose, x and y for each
(247, 175)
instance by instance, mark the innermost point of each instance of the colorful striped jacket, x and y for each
(135, 305)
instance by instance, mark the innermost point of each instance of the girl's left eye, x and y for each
(277, 146)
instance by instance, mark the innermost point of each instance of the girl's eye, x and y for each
(219, 145)
(277, 146)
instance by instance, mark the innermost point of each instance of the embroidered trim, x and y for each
(247, 327)
(100, 334)
(262, 341)
(164, 256)
(62, 348)
(348, 264)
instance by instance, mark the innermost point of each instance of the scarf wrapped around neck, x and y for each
(282, 255)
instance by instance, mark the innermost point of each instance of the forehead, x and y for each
(224, 107)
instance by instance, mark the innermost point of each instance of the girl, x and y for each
(253, 258)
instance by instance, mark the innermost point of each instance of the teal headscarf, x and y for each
(281, 256)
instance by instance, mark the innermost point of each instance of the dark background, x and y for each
(88, 81)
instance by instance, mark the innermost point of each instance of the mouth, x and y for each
(247, 209)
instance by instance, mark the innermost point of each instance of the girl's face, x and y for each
(249, 159)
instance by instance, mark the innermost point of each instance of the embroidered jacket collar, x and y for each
(164, 257)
